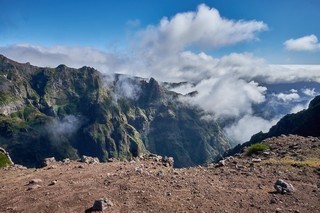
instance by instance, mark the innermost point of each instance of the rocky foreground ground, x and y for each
(240, 183)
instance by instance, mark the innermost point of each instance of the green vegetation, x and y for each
(6, 98)
(4, 160)
(258, 147)
(289, 161)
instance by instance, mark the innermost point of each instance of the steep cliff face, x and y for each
(65, 112)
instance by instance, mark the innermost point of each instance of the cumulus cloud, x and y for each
(203, 28)
(305, 43)
(287, 96)
(227, 97)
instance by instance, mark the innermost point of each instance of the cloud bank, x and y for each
(306, 43)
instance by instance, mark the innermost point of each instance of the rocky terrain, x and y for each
(242, 183)
(66, 113)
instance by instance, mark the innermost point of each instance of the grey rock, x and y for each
(256, 160)
(138, 170)
(54, 182)
(66, 161)
(10, 108)
(283, 187)
(221, 163)
(266, 153)
(110, 160)
(33, 186)
(273, 200)
(168, 161)
(89, 160)
(49, 161)
(35, 181)
(101, 204)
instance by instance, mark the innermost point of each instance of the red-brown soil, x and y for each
(144, 185)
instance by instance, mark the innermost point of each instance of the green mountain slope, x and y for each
(65, 112)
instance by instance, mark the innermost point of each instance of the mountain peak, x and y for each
(61, 67)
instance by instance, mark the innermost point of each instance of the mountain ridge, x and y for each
(66, 112)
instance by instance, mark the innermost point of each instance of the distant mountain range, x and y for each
(66, 113)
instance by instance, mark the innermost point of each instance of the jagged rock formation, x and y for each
(68, 113)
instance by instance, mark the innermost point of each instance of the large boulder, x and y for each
(283, 187)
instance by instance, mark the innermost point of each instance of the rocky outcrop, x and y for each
(10, 108)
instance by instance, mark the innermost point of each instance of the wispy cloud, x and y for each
(306, 43)
(309, 92)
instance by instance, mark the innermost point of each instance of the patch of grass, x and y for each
(257, 148)
(6, 98)
(288, 161)
(4, 161)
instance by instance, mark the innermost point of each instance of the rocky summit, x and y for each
(67, 113)
(286, 178)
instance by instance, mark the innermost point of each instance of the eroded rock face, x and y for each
(10, 108)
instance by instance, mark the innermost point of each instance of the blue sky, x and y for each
(110, 24)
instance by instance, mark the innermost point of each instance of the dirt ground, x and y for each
(145, 185)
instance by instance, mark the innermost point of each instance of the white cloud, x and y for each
(293, 91)
(287, 97)
(243, 129)
(306, 43)
(309, 92)
(127, 88)
(298, 108)
(227, 97)
(204, 28)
